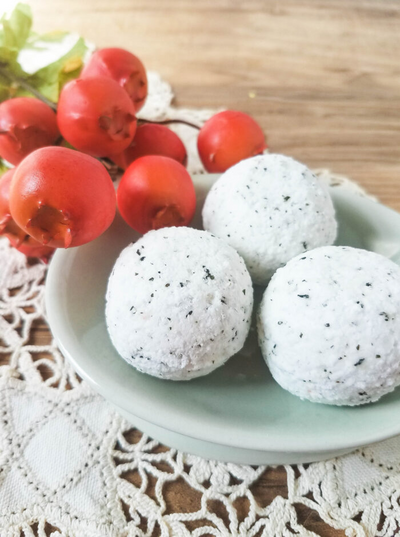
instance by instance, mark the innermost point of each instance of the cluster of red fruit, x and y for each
(60, 197)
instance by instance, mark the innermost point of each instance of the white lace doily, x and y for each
(66, 456)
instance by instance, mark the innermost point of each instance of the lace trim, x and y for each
(70, 466)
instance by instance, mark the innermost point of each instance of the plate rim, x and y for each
(209, 434)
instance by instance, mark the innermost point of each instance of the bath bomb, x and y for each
(270, 208)
(178, 303)
(329, 326)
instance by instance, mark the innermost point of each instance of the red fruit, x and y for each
(17, 237)
(7, 225)
(62, 197)
(32, 248)
(151, 139)
(25, 125)
(156, 192)
(96, 116)
(122, 66)
(227, 138)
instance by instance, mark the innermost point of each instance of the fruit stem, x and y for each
(168, 121)
(28, 87)
(24, 84)
(112, 168)
(166, 216)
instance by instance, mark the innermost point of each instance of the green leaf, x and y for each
(8, 57)
(68, 145)
(50, 37)
(20, 23)
(5, 91)
(3, 167)
(18, 45)
(50, 79)
(15, 29)
(9, 61)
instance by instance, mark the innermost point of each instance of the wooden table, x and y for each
(321, 76)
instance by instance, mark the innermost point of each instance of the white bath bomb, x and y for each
(179, 303)
(270, 208)
(329, 326)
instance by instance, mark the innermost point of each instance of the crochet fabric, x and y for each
(71, 466)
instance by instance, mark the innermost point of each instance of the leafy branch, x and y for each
(60, 57)
(18, 81)
(60, 54)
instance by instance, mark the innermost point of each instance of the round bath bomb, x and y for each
(179, 303)
(329, 326)
(270, 208)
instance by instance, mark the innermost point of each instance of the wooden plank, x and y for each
(321, 76)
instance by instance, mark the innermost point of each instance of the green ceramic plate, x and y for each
(238, 413)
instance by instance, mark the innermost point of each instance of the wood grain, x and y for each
(321, 76)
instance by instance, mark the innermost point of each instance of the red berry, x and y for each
(156, 192)
(32, 248)
(17, 236)
(227, 138)
(122, 66)
(151, 139)
(25, 125)
(96, 116)
(62, 197)
(7, 225)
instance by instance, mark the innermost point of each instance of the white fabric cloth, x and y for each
(65, 454)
